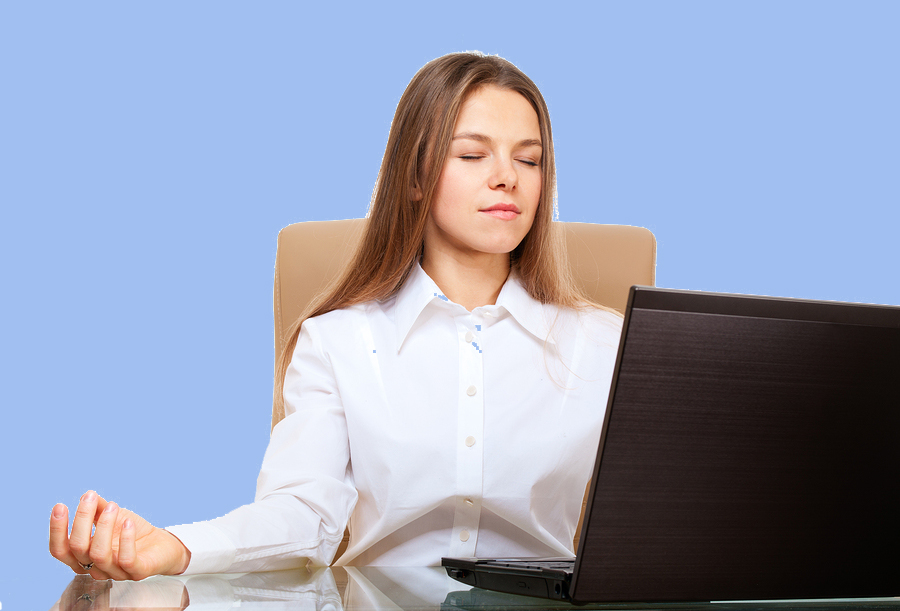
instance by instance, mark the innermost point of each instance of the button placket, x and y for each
(470, 428)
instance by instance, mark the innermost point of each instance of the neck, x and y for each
(469, 281)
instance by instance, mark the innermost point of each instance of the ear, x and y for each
(416, 192)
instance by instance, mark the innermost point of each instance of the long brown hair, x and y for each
(417, 147)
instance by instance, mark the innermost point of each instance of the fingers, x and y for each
(75, 549)
(59, 537)
(103, 540)
(61, 546)
(127, 552)
(101, 553)
(80, 537)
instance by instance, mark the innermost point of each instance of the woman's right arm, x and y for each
(304, 492)
(303, 500)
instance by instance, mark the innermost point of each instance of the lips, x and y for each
(506, 212)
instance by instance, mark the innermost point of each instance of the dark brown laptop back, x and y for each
(751, 451)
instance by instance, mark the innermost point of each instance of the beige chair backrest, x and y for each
(606, 260)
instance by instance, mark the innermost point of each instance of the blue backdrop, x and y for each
(150, 152)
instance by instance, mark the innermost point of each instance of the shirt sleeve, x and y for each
(304, 493)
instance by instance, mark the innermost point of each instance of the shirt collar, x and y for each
(535, 317)
(420, 290)
(416, 293)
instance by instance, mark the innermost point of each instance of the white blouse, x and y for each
(434, 430)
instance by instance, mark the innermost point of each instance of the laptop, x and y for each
(750, 451)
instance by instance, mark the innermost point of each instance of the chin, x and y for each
(503, 248)
(505, 241)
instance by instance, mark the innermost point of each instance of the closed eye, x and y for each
(529, 162)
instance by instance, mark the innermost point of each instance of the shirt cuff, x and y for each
(211, 550)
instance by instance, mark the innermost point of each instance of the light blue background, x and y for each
(149, 154)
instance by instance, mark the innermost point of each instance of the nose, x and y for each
(504, 175)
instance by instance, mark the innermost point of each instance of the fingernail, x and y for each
(110, 507)
(88, 496)
(127, 524)
(59, 510)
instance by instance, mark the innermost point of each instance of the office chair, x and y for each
(605, 260)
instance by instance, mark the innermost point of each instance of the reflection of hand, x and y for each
(123, 546)
(85, 593)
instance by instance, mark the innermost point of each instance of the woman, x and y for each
(446, 393)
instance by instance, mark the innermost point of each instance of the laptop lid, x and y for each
(750, 450)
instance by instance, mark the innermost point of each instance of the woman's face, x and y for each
(490, 185)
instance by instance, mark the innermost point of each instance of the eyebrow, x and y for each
(488, 140)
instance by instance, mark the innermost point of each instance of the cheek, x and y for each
(445, 210)
(534, 189)
(534, 195)
(451, 195)
(537, 183)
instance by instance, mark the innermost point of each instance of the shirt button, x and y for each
(471, 390)
(469, 336)
(470, 441)
(464, 535)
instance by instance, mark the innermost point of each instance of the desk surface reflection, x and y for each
(355, 589)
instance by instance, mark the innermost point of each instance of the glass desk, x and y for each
(358, 588)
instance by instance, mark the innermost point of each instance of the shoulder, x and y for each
(344, 317)
(595, 325)
(337, 327)
(601, 319)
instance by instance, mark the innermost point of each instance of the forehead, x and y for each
(496, 112)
